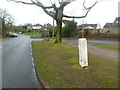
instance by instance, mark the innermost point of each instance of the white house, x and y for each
(34, 27)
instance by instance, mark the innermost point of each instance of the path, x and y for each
(97, 51)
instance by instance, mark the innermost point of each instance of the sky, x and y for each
(105, 11)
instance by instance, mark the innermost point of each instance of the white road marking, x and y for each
(33, 70)
(31, 53)
(33, 64)
(32, 59)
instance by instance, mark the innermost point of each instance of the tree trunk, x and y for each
(3, 28)
(59, 27)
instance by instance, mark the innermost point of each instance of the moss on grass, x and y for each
(58, 66)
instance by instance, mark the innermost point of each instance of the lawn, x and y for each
(104, 45)
(57, 66)
(34, 37)
(31, 33)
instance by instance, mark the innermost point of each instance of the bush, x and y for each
(23, 31)
(51, 31)
(69, 30)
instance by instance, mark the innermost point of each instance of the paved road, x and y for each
(17, 67)
(0, 64)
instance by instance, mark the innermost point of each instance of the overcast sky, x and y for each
(104, 11)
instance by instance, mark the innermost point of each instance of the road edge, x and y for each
(41, 81)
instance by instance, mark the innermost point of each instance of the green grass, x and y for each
(104, 45)
(5, 37)
(31, 33)
(58, 66)
(37, 37)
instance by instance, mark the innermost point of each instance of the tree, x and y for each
(57, 14)
(7, 21)
(70, 29)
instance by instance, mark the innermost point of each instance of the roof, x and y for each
(108, 25)
(48, 25)
(37, 25)
(112, 25)
(88, 26)
(117, 20)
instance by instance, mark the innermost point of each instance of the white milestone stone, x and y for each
(83, 53)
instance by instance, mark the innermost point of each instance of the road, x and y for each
(17, 64)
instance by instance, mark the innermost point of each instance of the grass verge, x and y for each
(104, 45)
(37, 37)
(58, 66)
(31, 33)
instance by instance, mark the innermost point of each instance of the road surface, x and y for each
(17, 64)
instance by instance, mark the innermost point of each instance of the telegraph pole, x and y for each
(83, 26)
(53, 30)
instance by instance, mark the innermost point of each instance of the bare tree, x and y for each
(7, 21)
(57, 14)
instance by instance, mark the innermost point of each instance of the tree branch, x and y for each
(39, 4)
(88, 9)
(20, 2)
(59, 2)
(63, 5)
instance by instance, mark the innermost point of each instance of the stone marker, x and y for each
(83, 53)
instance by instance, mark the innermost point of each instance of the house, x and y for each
(108, 25)
(48, 25)
(88, 26)
(37, 26)
(115, 24)
(29, 27)
(34, 27)
(112, 25)
(67, 21)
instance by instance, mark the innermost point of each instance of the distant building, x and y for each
(29, 27)
(48, 25)
(34, 27)
(88, 26)
(37, 26)
(115, 24)
(67, 21)
(108, 25)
